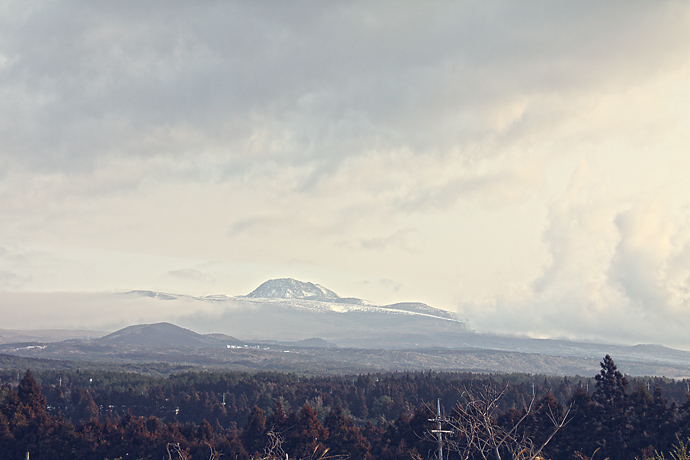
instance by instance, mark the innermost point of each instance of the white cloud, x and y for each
(497, 156)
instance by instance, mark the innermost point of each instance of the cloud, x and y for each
(385, 283)
(398, 239)
(651, 265)
(493, 189)
(293, 87)
(10, 280)
(100, 311)
(510, 150)
(392, 284)
(616, 273)
(253, 224)
(191, 274)
(19, 267)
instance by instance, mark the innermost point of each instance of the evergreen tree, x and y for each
(276, 421)
(29, 393)
(31, 427)
(660, 423)
(611, 385)
(344, 438)
(6, 437)
(85, 408)
(306, 437)
(612, 411)
(254, 433)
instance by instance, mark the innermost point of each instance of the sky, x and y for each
(524, 164)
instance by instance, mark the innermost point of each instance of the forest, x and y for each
(204, 415)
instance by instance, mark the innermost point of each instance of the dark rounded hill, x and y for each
(162, 335)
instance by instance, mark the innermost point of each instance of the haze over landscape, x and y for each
(521, 165)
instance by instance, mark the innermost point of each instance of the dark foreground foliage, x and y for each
(107, 415)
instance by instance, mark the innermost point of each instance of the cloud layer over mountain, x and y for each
(524, 164)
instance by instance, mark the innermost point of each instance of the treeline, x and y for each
(226, 399)
(99, 415)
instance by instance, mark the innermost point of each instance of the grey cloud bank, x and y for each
(523, 164)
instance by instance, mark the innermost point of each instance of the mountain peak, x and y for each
(288, 288)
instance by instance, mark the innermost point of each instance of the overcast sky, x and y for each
(525, 164)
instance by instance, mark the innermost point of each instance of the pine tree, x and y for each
(612, 411)
(29, 393)
(580, 433)
(276, 421)
(6, 436)
(611, 386)
(254, 433)
(343, 436)
(306, 437)
(85, 408)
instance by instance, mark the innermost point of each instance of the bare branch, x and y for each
(273, 448)
(215, 455)
(477, 433)
(177, 450)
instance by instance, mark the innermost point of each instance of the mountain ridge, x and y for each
(307, 296)
(289, 288)
(168, 343)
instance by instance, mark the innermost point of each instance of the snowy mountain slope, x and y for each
(291, 310)
(293, 294)
(317, 306)
(420, 309)
(288, 288)
(296, 313)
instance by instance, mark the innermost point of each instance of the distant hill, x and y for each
(46, 335)
(319, 330)
(167, 335)
(288, 310)
(162, 346)
(228, 339)
(159, 335)
(315, 343)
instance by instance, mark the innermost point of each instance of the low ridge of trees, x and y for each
(101, 415)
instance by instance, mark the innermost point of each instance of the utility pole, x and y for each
(439, 431)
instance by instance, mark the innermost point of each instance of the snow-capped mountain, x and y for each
(304, 295)
(288, 309)
(300, 295)
(288, 288)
